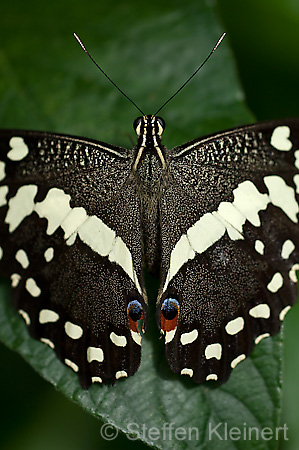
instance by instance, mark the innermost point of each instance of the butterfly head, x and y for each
(149, 130)
(149, 126)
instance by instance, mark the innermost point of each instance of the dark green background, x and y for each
(264, 36)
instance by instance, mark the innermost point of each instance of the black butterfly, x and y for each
(218, 216)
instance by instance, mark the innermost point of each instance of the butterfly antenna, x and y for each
(193, 75)
(104, 73)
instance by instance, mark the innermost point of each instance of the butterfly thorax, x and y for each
(149, 153)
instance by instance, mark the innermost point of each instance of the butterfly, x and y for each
(217, 216)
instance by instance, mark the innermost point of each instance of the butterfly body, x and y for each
(218, 217)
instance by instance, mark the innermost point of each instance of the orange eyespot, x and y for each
(135, 313)
(169, 314)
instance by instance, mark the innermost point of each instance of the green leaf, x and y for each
(48, 83)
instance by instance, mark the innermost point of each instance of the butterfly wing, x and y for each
(230, 239)
(76, 269)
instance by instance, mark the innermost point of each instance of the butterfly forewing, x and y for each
(229, 221)
(75, 266)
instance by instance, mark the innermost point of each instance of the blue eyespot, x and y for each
(135, 310)
(170, 308)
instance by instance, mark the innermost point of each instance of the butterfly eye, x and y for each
(137, 125)
(170, 308)
(135, 310)
(161, 125)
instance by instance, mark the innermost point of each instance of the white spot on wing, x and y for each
(213, 351)
(235, 326)
(261, 337)
(287, 248)
(96, 380)
(296, 155)
(73, 221)
(25, 316)
(282, 195)
(276, 282)
(49, 254)
(98, 236)
(122, 256)
(32, 287)
(292, 272)
(237, 360)
(283, 312)
(234, 220)
(181, 253)
(233, 233)
(250, 201)
(72, 330)
(71, 364)
(2, 170)
(19, 149)
(95, 354)
(120, 341)
(169, 335)
(136, 337)
(48, 342)
(212, 376)
(205, 232)
(55, 207)
(187, 371)
(121, 374)
(280, 138)
(259, 246)
(261, 311)
(22, 258)
(188, 338)
(47, 315)
(15, 279)
(296, 178)
(70, 241)
(3, 194)
(1, 253)
(20, 206)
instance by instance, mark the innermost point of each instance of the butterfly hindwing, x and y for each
(75, 268)
(230, 239)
